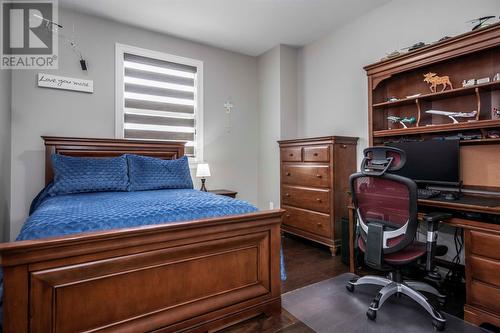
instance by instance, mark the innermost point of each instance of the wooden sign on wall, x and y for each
(65, 83)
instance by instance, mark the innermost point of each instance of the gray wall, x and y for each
(288, 96)
(269, 127)
(278, 116)
(232, 155)
(333, 86)
(5, 144)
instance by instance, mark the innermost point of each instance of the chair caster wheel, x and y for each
(349, 287)
(438, 325)
(371, 314)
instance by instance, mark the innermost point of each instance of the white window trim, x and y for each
(120, 50)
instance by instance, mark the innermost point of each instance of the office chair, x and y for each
(386, 208)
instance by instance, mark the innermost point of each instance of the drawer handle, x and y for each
(291, 154)
(288, 174)
(319, 176)
(318, 199)
(319, 225)
(315, 154)
(287, 216)
(344, 146)
(287, 194)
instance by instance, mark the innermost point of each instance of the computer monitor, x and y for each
(431, 162)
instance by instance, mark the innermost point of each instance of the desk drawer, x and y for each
(485, 296)
(291, 154)
(484, 270)
(485, 244)
(316, 223)
(306, 175)
(317, 154)
(313, 199)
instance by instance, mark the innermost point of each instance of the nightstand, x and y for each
(227, 193)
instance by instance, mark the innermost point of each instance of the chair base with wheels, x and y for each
(396, 285)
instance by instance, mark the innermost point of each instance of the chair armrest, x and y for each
(374, 252)
(436, 217)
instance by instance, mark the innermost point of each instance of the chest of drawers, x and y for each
(314, 186)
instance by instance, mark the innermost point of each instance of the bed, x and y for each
(193, 272)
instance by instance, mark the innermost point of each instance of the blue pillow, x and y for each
(88, 174)
(149, 173)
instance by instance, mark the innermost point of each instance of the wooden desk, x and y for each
(459, 206)
(482, 259)
(469, 53)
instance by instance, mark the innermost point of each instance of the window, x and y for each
(159, 97)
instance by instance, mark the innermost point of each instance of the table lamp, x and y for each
(203, 171)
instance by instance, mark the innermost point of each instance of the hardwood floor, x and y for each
(306, 263)
(284, 323)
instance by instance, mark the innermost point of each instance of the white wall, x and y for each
(36, 111)
(5, 144)
(269, 127)
(333, 85)
(277, 116)
(333, 96)
(288, 96)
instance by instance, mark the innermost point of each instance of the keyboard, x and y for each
(424, 193)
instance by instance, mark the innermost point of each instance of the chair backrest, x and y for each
(386, 199)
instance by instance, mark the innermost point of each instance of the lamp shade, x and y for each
(203, 170)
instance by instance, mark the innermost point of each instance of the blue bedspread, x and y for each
(75, 213)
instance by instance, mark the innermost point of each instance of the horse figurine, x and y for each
(435, 80)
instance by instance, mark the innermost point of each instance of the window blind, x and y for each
(160, 101)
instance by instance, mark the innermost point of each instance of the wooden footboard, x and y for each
(191, 276)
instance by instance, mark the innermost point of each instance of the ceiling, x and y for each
(246, 26)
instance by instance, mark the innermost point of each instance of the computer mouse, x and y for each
(450, 196)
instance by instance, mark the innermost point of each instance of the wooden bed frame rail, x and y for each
(193, 276)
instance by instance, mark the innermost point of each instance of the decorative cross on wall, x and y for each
(228, 106)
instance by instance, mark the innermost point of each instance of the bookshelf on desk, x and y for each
(472, 55)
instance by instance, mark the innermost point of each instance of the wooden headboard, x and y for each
(87, 147)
